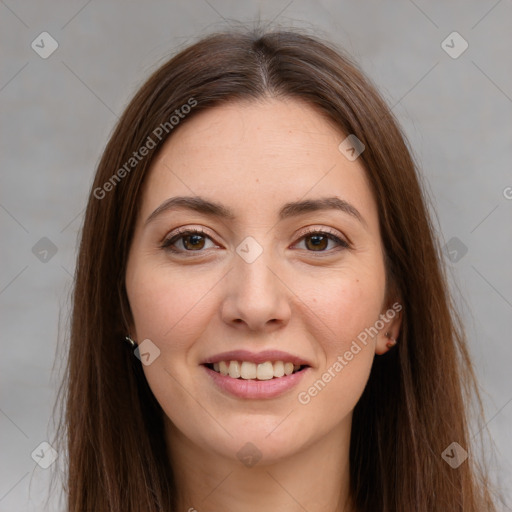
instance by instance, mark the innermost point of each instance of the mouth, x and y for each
(256, 381)
(247, 370)
(256, 375)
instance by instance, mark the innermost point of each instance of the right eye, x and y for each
(192, 240)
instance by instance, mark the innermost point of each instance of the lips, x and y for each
(255, 389)
(251, 366)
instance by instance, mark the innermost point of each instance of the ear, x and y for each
(391, 317)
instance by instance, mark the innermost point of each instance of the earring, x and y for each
(130, 341)
(392, 341)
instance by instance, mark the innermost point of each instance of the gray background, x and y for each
(57, 114)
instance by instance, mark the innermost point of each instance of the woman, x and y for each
(261, 318)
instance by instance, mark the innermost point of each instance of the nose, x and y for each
(257, 297)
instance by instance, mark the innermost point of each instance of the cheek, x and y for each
(345, 307)
(169, 307)
(345, 312)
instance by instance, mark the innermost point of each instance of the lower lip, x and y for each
(256, 389)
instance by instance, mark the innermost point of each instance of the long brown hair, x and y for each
(417, 400)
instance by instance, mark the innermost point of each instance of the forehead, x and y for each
(251, 155)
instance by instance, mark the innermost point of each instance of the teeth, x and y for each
(234, 369)
(265, 371)
(278, 369)
(223, 368)
(247, 370)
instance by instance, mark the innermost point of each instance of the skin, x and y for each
(253, 157)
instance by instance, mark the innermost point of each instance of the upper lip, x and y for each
(256, 357)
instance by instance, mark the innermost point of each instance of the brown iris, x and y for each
(318, 242)
(197, 241)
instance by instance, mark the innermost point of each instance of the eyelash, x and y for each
(168, 242)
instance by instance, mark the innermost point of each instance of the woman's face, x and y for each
(299, 282)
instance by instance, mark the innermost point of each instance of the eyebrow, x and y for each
(292, 209)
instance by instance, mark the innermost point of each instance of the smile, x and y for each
(249, 385)
(248, 370)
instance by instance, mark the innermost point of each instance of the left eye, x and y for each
(318, 241)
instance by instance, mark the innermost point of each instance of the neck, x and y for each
(315, 479)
